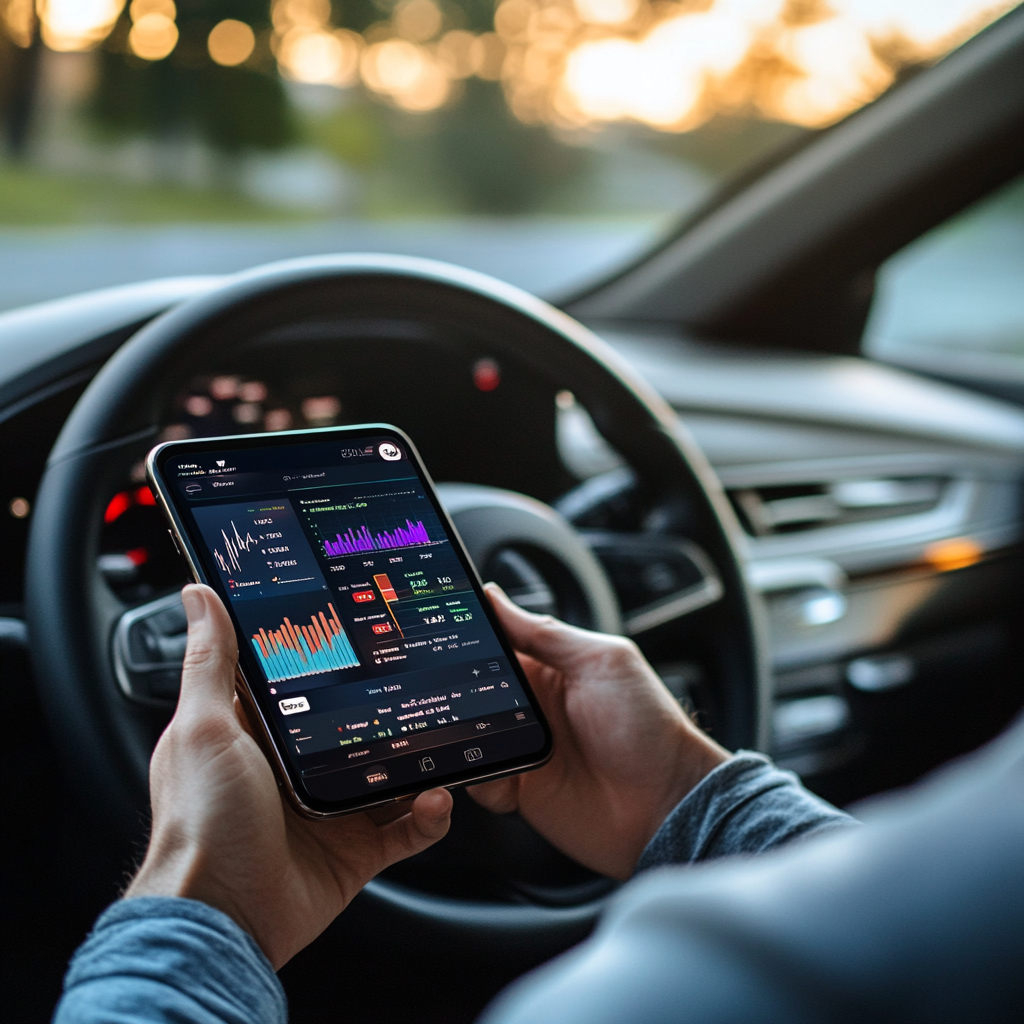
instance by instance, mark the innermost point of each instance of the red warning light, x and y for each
(486, 375)
(119, 504)
(124, 500)
(138, 556)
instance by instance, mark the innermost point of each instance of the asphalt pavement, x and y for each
(551, 258)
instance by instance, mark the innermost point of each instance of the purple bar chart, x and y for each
(360, 539)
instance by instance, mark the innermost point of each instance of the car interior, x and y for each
(817, 543)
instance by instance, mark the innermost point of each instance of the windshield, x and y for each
(543, 141)
(952, 302)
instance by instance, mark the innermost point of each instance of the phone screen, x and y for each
(364, 636)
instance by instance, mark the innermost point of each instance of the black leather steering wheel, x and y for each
(106, 736)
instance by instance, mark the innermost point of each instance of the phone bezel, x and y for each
(298, 796)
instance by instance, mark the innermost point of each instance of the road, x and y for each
(551, 258)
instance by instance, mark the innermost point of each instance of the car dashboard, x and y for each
(880, 514)
(882, 520)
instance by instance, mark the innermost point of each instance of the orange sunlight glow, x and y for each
(19, 19)
(673, 65)
(417, 20)
(153, 33)
(400, 60)
(668, 64)
(231, 43)
(309, 49)
(69, 25)
(606, 12)
(409, 74)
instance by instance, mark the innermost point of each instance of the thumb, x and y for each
(412, 833)
(211, 654)
(542, 637)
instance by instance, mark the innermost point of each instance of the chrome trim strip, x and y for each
(674, 606)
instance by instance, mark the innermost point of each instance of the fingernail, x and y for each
(194, 601)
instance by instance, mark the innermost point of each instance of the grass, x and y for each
(30, 197)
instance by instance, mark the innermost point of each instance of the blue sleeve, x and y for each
(746, 805)
(915, 916)
(151, 959)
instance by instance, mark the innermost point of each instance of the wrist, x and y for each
(178, 872)
(700, 755)
(165, 871)
(696, 756)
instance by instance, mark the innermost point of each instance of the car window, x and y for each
(544, 141)
(952, 302)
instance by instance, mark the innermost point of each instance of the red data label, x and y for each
(364, 595)
(383, 627)
(387, 591)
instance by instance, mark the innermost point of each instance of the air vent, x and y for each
(789, 508)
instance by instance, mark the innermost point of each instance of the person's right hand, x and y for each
(625, 753)
(222, 833)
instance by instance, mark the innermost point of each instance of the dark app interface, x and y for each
(378, 661)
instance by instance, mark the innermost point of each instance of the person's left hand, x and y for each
(223, 834)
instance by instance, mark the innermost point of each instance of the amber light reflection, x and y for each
(574, 63)
(954, 553)
(668, 64)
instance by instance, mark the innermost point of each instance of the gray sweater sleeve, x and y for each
(916, 916)
(152, 960)
(173, 960)
(746, 805)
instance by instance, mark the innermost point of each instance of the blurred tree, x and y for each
(186, 93)
(359, 15)
(355, 134)
(494, 162)
(471, 156)
(20, 49)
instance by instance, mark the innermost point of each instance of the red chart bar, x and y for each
(387, 591)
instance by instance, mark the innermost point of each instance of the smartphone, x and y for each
(369, 654)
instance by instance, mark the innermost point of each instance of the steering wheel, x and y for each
(107, 673)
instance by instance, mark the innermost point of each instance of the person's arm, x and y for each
(626, 760)
(633, 783)
(916, 916)
(744, 806)
(153, 960)
(235, 871)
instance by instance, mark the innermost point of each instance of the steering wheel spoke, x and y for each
(658, 579)
(148, 648)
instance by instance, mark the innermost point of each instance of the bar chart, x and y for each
(360, 539)
(304, 649)
(375, 522)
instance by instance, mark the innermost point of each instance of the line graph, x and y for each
(258, 547)
(360, 539)
(291, 650)
(234, 546)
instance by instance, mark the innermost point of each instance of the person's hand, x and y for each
(625, 753)
(221, 830)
